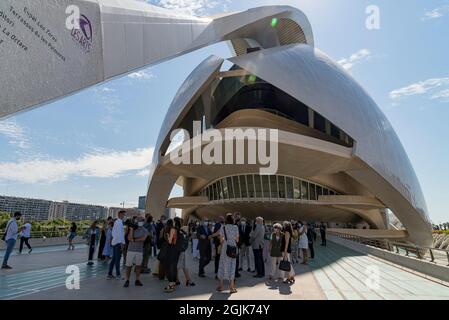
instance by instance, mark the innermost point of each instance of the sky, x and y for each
(96, 146)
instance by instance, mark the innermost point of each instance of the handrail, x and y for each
(435, 254)
(52, 233)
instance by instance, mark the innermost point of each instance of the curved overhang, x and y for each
(124, 36)
(310, 76)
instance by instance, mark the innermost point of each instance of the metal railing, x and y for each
(51, 233)
(434, 255)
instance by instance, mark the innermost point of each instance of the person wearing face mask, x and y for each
(204, 246)
(257, 242)
(245, 246)
(136, 237)
(10, 237)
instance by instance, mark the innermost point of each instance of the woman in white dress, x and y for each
(303, 243)
(229, 236)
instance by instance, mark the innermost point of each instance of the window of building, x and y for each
(258, 185)
(281, 184)
(319, 122)
(220, 190)
(319, 191)
(266, 186)
(325, 191)
(250, 183)
(230, 188)
(214, 192)
(236, 187)
(289, 187)
(312, 191)
(335, 132)
(225, 189)
(274, 187)
(296, 189)
(243, 186)
(304, 190)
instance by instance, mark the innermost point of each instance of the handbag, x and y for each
(231, 251)
(285, 265)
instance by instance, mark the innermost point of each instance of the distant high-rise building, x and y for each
(31, 209)
(38, 209)
(142, 201)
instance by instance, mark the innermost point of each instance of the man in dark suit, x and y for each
(216, 239)
(245, 246)
(323, 234)
(204, 246)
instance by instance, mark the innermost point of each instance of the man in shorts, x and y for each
(137, 235)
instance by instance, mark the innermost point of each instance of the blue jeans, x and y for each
(9, 248)
(115, 261)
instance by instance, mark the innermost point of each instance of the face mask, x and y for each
(243, 223)
(140, 224)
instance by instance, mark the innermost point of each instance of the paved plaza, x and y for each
(337, 273)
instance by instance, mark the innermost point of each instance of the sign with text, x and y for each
(48, 48)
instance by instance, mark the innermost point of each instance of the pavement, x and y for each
(336, 273)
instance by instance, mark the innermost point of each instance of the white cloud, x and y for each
(355, 58)
(100, 165)
(436, 13)
(143, 173)
(141, 75)
(435, 88)
(191, 7)
(14, 133)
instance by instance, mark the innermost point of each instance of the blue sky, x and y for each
(95, 146)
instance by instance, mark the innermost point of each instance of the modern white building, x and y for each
(340, 160)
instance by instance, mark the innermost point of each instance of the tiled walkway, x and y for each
(336, 273)
(345, 274)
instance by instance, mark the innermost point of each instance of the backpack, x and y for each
(182, 241)
(6, 231)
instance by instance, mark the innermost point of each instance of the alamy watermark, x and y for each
(227, 146)
(72, 282)
(373, 20)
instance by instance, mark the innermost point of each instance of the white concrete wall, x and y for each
(439, 272)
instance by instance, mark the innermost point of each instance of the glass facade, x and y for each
(253, 186)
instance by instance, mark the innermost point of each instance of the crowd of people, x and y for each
(233, 242)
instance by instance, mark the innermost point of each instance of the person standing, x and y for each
(195, 251)
(323, 234)
(92, 235)
(169, 260)
(257, 242)
(72, 235)
(148, 244)
(102, 241)
(136, 238)
(245, 246)
(311, 238)
(158, 271)
(276, 251)
(25, 236)
(217, 243)
(107, 250)
(204, 246)
(10, 237)
(118, 240)
(295, 242)
(303, 243)
(229, 236)
(183, 240)
(286, 252)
